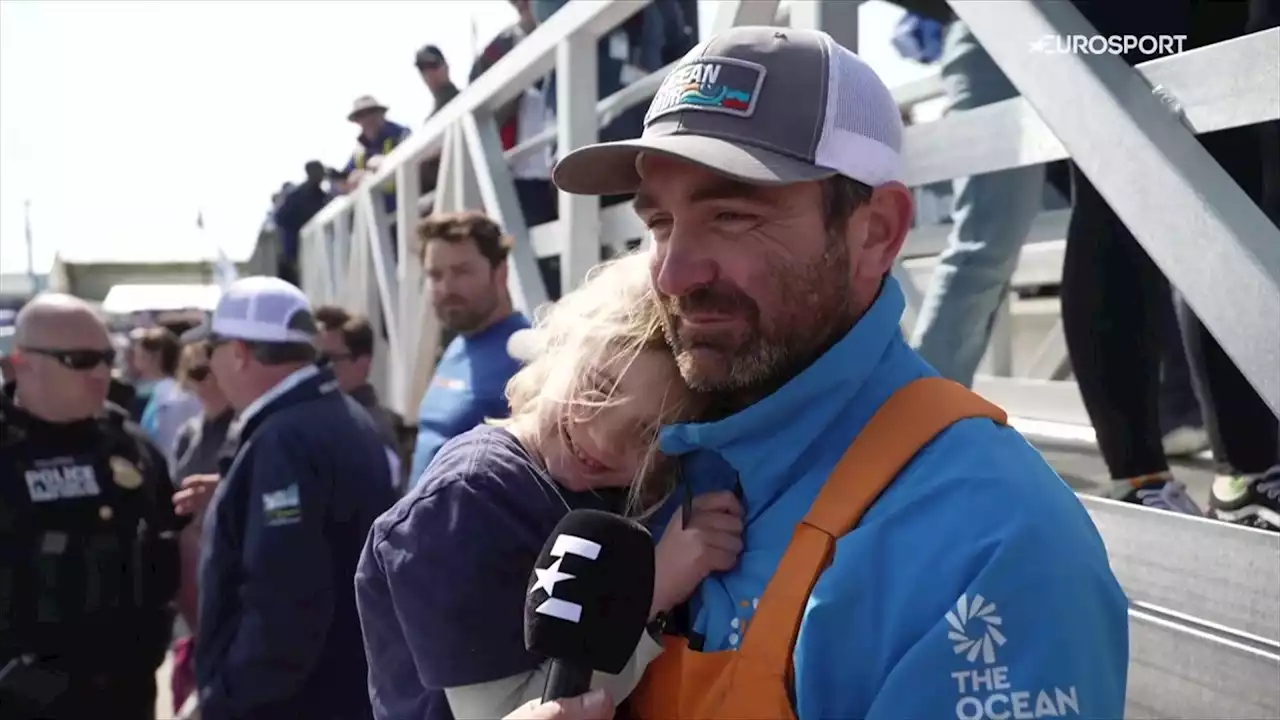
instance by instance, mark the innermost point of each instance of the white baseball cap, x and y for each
(260, 309)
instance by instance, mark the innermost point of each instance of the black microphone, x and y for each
(589, 599)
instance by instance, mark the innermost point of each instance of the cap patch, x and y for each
(709, 84)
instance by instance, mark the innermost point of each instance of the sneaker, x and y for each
(1185, 441)
(1247, 500)
(1161, 492)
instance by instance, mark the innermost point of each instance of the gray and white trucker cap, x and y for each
(259, 309)
(763, 105)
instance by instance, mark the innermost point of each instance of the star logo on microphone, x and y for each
(548, 578)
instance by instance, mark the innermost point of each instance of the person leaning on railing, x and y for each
(522, 118)
(434, 69)
(378, 137)
(297, 207)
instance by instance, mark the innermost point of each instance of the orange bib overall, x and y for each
(752, 682)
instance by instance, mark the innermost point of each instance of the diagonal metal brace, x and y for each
(1208, 237)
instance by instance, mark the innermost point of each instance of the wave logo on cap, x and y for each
(709, 84)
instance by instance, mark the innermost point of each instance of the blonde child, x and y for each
(442, 581)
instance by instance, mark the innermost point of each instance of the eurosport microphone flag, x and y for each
(590, 593)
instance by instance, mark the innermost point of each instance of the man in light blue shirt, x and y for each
(769, 174)
(465, 258)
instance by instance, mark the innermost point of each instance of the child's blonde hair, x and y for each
(608, 321)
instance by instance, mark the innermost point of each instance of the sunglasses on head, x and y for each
(79, 360)
(199, 373)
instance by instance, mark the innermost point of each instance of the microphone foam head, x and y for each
(590, 593)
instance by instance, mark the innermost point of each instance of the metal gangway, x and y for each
(1205, 596)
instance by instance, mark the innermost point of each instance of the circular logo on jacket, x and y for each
(125, 474)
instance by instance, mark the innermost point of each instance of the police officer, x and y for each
(88, 554)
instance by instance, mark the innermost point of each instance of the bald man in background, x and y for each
(85, 501)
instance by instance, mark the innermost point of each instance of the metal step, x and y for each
(1204, 621)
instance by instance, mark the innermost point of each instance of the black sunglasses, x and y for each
(331, 358)
(79, 360)
(199, 373)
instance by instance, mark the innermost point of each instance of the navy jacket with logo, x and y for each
(279, 635)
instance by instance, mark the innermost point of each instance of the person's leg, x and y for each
(1244, 433)
(1181, 416)
(537, 200)
(287, 270)
(1111, 292)
(1242, 428)
(992, 215)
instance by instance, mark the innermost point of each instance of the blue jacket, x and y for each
(977, 586)
(279, 634)
(469, 385)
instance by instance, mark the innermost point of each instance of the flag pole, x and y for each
(33, 278)
(475, 37)
(224, 271)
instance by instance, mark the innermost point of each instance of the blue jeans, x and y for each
(992, 215)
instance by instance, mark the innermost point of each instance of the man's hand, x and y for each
(353, 181)
(194, 495)
(595, 705)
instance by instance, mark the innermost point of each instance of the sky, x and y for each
(122, 122)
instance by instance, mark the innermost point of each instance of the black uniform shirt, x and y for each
(88, 552)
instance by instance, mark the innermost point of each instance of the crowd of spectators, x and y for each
(273, 398)
(654, 37)
(1175, 394)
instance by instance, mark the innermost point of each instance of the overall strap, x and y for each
(908, 421)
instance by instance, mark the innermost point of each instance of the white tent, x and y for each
(126, 299)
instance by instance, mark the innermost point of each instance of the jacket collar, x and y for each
(301, 385)
(366, 395)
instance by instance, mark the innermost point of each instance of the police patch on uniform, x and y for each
(709, 84)
(61, 478)
(125, 474)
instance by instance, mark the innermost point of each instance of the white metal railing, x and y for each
(1211, 241)
(348, 248)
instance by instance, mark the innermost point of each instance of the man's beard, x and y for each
(812, 305)
(466, 317)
